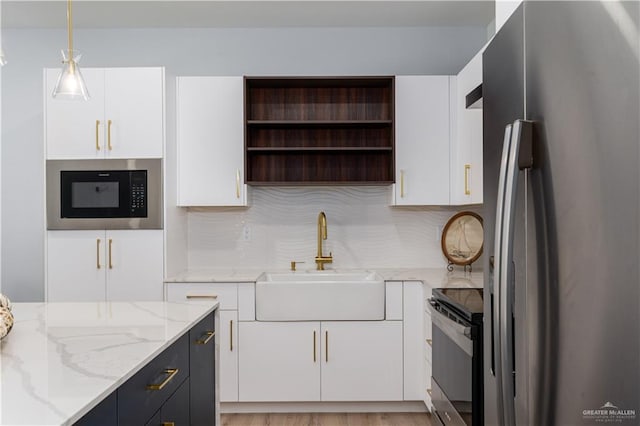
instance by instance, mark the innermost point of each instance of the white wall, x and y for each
(296, 51)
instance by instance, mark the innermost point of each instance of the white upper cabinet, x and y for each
(210, 141)
(422, 120)
(124, 118)
(466, 147)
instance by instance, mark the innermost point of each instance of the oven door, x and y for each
(452, 367)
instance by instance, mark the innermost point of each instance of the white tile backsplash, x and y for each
(363, 230)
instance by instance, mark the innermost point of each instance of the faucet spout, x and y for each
(322, 235)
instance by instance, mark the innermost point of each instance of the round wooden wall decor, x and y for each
(462, 239)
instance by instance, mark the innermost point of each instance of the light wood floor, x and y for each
(327, 419)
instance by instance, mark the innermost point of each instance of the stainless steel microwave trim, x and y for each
(458, 333)
(154, 219)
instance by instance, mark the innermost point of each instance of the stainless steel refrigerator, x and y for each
(561, 216)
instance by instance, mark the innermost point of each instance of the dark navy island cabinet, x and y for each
(177, 387)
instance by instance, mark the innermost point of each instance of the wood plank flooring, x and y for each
(327, 419)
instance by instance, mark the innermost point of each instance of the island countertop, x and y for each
(61, 359)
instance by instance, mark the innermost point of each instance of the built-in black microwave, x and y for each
(104, 194)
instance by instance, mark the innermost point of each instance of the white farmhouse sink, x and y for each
(320, 296)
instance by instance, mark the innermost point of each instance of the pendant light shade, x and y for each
(70, 83)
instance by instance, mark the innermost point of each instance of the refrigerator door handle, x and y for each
(520, 157)
(496, 289)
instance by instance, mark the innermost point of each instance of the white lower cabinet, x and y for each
(426, 288)
(227, 296)
(413, 330)
(321, 361)
(361, 361)
(228, 356)
(279, 361)
(113, 265)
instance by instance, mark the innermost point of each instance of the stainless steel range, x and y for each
(457, 356)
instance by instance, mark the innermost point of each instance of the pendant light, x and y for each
(70, 83)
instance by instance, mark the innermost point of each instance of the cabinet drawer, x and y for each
(202, 363)
(136, 402)
(225, 294)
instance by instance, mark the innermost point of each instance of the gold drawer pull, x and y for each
(171, 372)
(98, 253)
(204, 340)
(109, 122)
(467, 168)
(202, 296)
(401, 183)
(314, 346)
(97, 135)
(238, 183)
(110, 260)
(326, 346)
(430, 342)
(168, 424)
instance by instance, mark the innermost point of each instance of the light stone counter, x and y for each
(434, 277)
(61, 359)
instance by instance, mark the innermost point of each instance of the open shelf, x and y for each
(319, 130)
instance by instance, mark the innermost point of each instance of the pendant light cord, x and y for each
(69, 29)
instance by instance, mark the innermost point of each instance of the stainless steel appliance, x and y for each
(561, 215)
(104, 194)
(456, 382)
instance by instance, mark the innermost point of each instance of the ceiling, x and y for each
(241, 13)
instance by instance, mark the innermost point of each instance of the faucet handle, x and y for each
(293, 264)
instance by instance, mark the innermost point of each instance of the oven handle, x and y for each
(460, 334)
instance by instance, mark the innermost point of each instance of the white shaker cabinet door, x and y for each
(279, 361)
(75, 129)
(422, 140)
(228, 356)
(210, 141)
(466, 146)
(413, 330)
(76, 265)
(134, 265)
(361, 361)
(134, 112)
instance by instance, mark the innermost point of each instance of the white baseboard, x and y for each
(324, 407)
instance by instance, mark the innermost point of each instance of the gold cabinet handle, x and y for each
(231, 335)
(401, 183)
(206, 338)
(97, 135)
(98, 253)
(238, 183)
(314, 346)
(170, 372)
(110, 262)
(168, 424)
(430, 342)
(202, 296)
(326, 346)
(467, 168)
(429, 392)
(109, 135)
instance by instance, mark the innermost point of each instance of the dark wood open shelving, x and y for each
(319, 130)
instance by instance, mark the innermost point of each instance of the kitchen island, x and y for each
(62, 360)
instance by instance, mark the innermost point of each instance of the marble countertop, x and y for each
(435, 277)
(61, 359)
